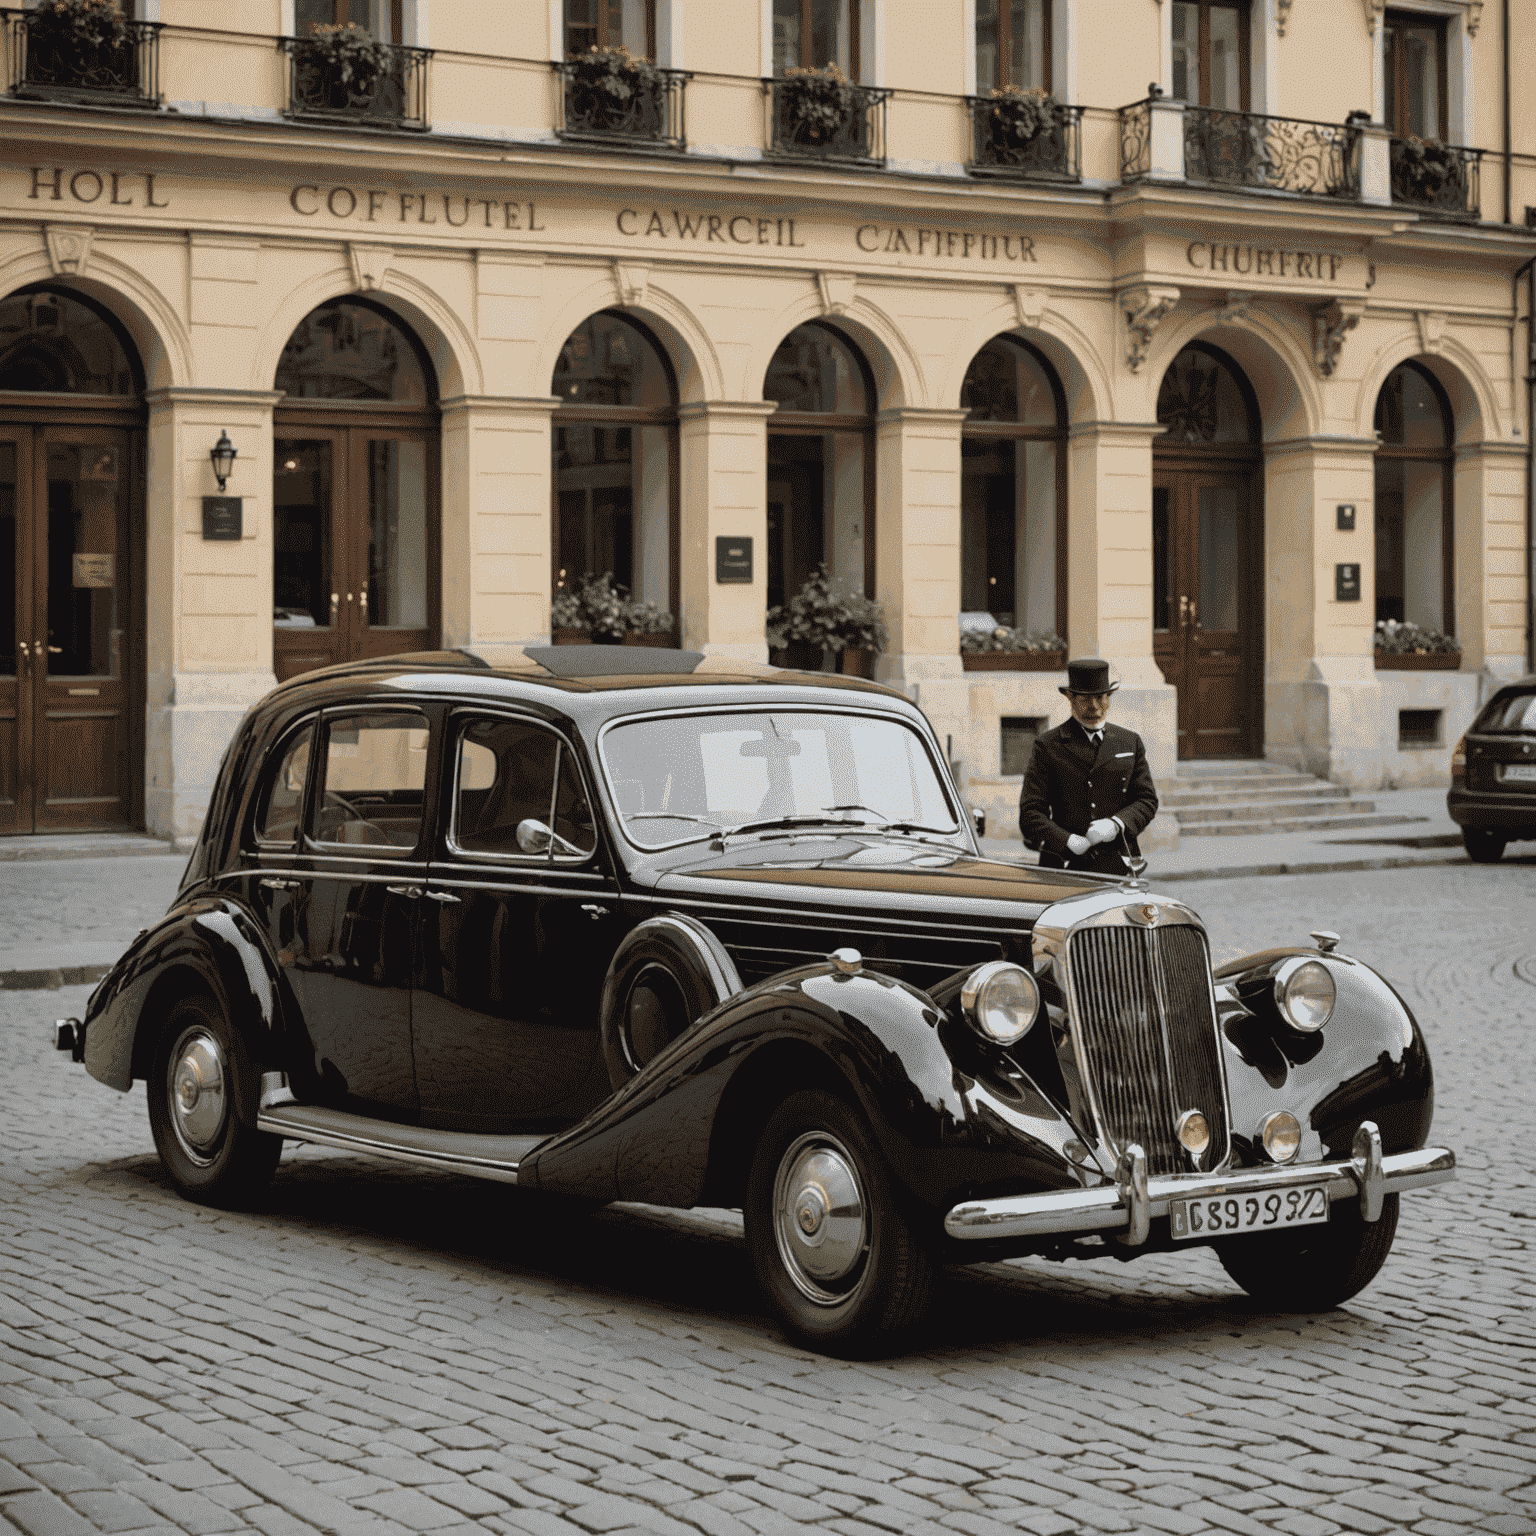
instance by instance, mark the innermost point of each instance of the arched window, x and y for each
(1414, 515)
(1013, 500)
(821, 475)
(54, 343)
(615, 460)
(354, 491)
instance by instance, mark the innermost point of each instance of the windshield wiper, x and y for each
(917, 826)
(708, 821)
(774, 823)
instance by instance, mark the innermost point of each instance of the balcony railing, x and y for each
(320, 89)
(1136, 140)
(44, 60)
(1280, 154)
(1439, 178)
(1053, 152)
(812, 117)
(635, 108)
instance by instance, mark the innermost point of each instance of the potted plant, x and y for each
(567, 619)
(648, 624)
(85, 44)
(843, 630)
(1427, 171)
(1019, 122)
(595, 612)
(1409, 648)
(1012, 650)
(817, 109)
(611, 90)
(339, 68)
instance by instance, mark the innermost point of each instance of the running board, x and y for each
(481, 1157)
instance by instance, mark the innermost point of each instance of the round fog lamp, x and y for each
(1193, 1131)
(1281, 1135)
(1305, 994)
(1001, 1000)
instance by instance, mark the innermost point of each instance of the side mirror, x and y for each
(534, 837)
(979, 820)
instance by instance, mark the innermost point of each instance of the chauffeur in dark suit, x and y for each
(1088, 793)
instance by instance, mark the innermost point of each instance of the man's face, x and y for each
(1090, 709)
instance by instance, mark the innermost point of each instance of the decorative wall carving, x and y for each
(836, 290)
(1236, 308)
(1431, 326)
(1331, 323)
(1282, 15)
(1029, 304)
(69, 248)
(369, 264)
(1145, 307)
(632, 279)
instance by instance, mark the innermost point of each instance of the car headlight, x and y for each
(1002, 1001)
(1305, 994)
(1280, 1134)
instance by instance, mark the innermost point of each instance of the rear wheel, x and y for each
(1313, 1268)
(836, 1254)
(211, 1156)
(1483, 847)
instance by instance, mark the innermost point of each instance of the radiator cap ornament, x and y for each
(1146, 913)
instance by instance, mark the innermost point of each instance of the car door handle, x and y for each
(277, 883)
(446, 897)
(412, 892)
(595, 912)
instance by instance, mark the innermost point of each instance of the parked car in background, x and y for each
(1493, 774)
(624, 924)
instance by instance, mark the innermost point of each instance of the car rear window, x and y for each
(282, 801)
(1514, 713)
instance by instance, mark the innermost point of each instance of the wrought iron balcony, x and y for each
(638, 108)
(812, 116)
(46, 59)
(1052, 152)
(1438, 178)
(392, 94)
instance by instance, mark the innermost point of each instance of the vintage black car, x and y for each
(1492, 797)
(637, 925)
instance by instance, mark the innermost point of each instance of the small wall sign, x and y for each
(93, 571)
(1346, 583)
(222, 517)
(733, 559)
(1346, 519)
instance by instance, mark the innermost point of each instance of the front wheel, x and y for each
(1483, 847)
(834, 1251)
(1313, 1268)
(211, 1156)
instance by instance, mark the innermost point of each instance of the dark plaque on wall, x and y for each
(1346, 518)
(1346, 583)
(221, 517)
(733, 559)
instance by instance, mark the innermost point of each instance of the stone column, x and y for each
(1489, 503)
(496, 524)
(207, 604)
(724, 477)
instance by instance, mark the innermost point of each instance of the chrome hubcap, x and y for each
(820, 1221)
(199, 1096)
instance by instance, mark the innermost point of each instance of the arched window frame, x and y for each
(1445, 456)
(1017, 432)
(120, 335)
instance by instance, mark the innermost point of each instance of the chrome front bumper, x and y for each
(1130, 1203)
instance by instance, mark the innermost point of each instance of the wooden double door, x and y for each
(1207, 565)
(68, 736)
(355, 541)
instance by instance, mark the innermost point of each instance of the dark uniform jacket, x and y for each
(1069, 783)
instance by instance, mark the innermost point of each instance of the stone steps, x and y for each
(1241, 799)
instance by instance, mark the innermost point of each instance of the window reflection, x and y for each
(347, 351)
(57, 345)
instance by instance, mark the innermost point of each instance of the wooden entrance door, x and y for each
(354, 544)
(66, 732)
(1205, 565)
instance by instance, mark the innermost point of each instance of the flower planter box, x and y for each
(634, 637)
(854, 663)
(1013, 661)
(570, 637)
(1418, 661)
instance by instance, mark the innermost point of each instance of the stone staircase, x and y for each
(1240, 797)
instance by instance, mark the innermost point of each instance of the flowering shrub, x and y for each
(599, 604)
(1004, 639)
(828, 619)
(1409, 640)
(817, 104)
(647, 618)
(347, 54)
(1018, 114)
(80, 24)
(612, 80)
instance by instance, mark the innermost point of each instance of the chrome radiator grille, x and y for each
(1146, 1031)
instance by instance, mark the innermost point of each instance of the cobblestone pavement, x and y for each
(382, 1351)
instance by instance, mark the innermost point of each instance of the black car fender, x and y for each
(205, 943)
(683, 1131)
(1368, 1062)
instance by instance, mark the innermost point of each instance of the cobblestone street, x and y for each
(383, 1350)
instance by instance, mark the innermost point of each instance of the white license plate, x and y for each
(1520, 773)
(1219, 1215)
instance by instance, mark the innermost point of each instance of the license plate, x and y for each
(1223, 1214)
(1520, 773)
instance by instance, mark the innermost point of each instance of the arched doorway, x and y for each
(1415, 516)
(71, 578)
(821, 463)
(355, 524)
(615, 461)
(1208, 553)
(1013, 489)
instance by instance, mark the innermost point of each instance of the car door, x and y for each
(518, 928)
(341, 900)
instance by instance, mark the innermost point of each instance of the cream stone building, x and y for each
(1204, 366)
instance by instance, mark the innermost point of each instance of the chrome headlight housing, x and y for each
(1001, 1001)
(1305, 994)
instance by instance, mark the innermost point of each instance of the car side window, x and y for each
(515, 783)
(373, 771)
(282, 797)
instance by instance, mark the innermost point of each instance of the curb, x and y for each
(51, 978)
(126, 850)
(1334, 867)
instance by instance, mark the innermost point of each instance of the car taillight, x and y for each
(1459, 762)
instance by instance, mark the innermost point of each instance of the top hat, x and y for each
(1088, 675)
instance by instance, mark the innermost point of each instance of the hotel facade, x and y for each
(1206, 362)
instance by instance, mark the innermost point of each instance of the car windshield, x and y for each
(685, 776)
(1516, 713)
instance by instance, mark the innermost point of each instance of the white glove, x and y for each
(1077, 846)
(1105, 830)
